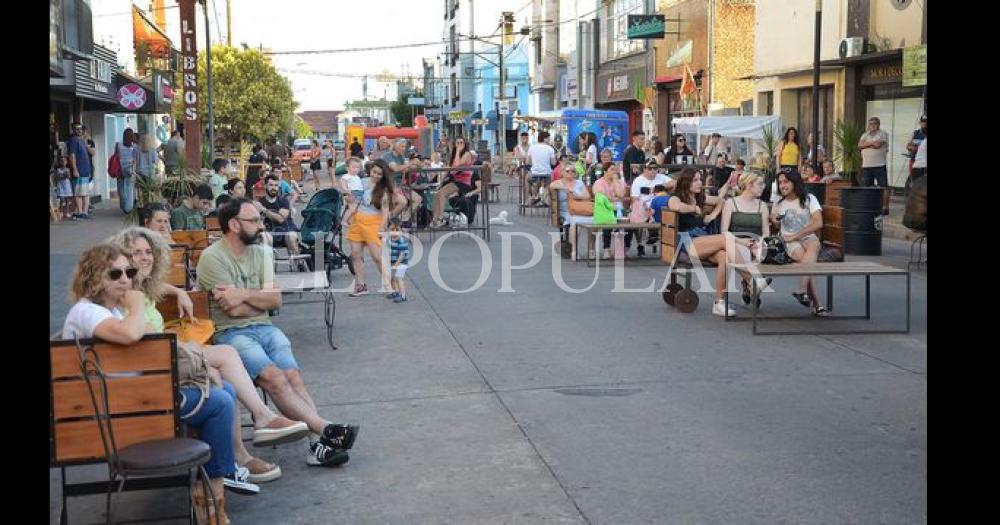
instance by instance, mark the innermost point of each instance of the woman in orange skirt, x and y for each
(368, 223)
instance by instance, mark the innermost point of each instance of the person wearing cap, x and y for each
(647, 180)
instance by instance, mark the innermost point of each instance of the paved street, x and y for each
(541, 406)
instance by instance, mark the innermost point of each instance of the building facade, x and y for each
(861, 68)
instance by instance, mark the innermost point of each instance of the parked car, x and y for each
(300, 150)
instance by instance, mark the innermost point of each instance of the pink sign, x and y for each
(132, 96)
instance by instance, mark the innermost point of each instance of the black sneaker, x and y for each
(341, 436)
(321, 453)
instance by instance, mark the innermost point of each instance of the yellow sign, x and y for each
(915, 66)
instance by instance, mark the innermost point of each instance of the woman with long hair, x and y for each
(788, 152)
(108, 307)
(127, 156)
(370, 219)
(799, 216)
(459, 182)
(745, 216)
(657, 152)
(678, 148)
(588, 149)
(315, 164)
(689, 201)
(151, 255)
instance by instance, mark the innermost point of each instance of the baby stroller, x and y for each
(321, 220)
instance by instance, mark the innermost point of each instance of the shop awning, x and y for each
(148, 38)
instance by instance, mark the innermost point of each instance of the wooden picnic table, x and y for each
(623, 225)
(830, 270)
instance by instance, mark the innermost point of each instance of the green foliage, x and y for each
(847, 155)
(770, 146)
(302, 129)
(403, 112)
(249, 97)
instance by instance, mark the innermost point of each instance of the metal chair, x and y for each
(918, 245)
(156, 458)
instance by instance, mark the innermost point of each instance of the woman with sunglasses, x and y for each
(108, 307)
(460, 181)
(678, 148)
(152, 257)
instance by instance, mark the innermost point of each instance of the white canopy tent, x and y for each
(750, 128)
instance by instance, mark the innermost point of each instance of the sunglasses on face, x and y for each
(116, 273)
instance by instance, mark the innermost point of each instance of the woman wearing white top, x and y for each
(800, 216)
(588, 148)
(126, 181)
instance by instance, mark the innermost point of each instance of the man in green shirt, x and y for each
(190, 215)
(239, 274)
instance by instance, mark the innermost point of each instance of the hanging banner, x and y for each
(915, 66)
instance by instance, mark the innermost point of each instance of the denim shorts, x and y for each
(259, 346)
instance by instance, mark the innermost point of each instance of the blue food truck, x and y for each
(610, 128)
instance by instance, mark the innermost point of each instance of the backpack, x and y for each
(115, 164)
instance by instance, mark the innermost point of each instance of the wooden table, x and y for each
(311, 282)
(830, 270)
(625, 225)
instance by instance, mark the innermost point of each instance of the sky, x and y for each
(337, 24)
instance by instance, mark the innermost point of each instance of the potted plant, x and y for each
(770, 146)
(848, 156)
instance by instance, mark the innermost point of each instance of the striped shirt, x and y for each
(399, 250)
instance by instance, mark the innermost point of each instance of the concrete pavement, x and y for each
(541, 406)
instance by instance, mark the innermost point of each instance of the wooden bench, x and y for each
(213, 227)
(177, 274)
(194, 240)
(167, 306)
(829, 270)
(592, 229)
(144, 406)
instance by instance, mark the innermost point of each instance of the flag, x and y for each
(147, 37)
(687, 82)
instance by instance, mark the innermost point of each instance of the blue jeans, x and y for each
(259, 346)
(215, 421)
(126, 193)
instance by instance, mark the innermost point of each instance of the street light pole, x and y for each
(815, 90)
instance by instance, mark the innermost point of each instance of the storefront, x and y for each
(620, 86)
(874, 88)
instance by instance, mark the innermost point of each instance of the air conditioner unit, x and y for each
(852, 47)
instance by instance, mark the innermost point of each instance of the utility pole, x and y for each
(208, 69)
(229, 23)
(815, 90)
(507, 23)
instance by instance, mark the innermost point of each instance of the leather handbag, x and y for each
(581, 207)
(191, 331)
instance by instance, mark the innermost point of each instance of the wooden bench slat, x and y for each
(147, 355)
(127, 395)
(81, 440)
(190, 238)
(833, 268)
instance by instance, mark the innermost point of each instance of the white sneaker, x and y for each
(719, 308)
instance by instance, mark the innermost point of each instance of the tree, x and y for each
(250, 98)
(302, 129)
(402, 112)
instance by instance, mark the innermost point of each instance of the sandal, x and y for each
(802, 298)
(821, 311)
(261, 471)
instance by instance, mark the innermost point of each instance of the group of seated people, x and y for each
(737, 208)
(116, 287)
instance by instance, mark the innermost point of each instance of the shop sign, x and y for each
(164, 89)
(620, 85)
(132, 96)
(915, 66)
(646, 26)
(457, 117)
(884, 73)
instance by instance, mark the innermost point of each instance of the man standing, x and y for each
(874, 147)
(918, 136)
(173, 151)
(634, 157)
(542, 158)
(714, 148)
(277, 216)
(81, 170)
(238, 273)
(357, 150)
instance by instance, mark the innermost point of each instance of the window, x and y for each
(805, 122)
(453, 44)
(616, 39)
(765, 103)
(78, 26)
(454, 89)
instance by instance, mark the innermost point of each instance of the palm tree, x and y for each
(847, 135)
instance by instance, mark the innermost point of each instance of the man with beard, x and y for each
(278, 216)
(239, 275)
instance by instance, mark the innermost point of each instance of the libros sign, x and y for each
(646, 26)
